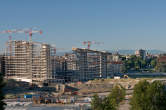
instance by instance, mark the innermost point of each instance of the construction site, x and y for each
(35, 74)
(31, 62)
(33, 69)
(92, 64)
(38, 64)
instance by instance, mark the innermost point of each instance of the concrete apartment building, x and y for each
(85, 64)
(30, 62)
(61, 68)
(37, 64)
(66, 67)
(116, 67)
(141, 53)
(161, 63)
(91, 64)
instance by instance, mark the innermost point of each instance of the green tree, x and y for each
(153, 63)
(139, 96)
(96, 103)
(111, 102)
(118, 94)
(2, 104)
(149, 96)
(143, 64)
(156, 95)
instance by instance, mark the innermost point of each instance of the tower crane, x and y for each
(89, 43)
(9, 32)
(10, 36)
(12, 31)
(29, 31)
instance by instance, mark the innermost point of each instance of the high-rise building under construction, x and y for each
(30, 61)
(92, 64)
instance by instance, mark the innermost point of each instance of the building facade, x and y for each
(161, 63)
(141, 53)
(91, 64)
(30, 62)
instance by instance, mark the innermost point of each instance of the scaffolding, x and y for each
(65, 67)
(91, 64)
(31, 62)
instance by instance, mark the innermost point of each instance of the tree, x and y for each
(135, 63)
(153, 63)
(96, 103)
(149, 96)
(2, 104)
(111, 102)
(156, 95)
(118, 94)
(139, 96)
(143, 64)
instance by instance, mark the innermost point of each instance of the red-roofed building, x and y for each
(161, 63)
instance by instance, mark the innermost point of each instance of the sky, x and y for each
(120, 24)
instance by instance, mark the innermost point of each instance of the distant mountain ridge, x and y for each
(153, 51)
(123, 52)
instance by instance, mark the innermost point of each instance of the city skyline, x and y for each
(119, 24)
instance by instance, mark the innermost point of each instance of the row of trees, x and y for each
(149, 96)
(146, 96)
(135, 63)
(111, 102)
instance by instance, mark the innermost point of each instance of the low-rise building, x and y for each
(161, 63)
(115, 67)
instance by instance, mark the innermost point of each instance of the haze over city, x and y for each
(82, 55)
(66, 23)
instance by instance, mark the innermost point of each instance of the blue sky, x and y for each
(120, 24)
